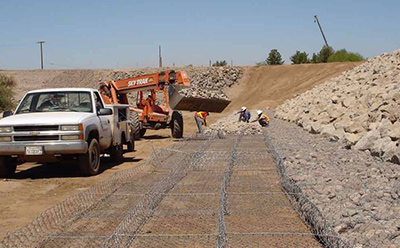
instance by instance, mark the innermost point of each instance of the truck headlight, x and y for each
(72, 137)
(5, 129)
(5, 139)
(72, 128)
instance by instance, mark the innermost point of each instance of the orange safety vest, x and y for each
(264, 116)
(201, 114)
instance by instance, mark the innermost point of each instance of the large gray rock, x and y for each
(364, 102)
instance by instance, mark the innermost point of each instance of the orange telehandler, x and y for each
(148, 115)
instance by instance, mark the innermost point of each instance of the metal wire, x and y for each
(205, 191)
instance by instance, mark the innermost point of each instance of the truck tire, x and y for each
(135, 122)
(177, 124)
(131, 143)
(142, 132)
(117, 153)
(8, 165)
(89, 163)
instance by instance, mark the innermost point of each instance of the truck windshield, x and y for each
(56, 102)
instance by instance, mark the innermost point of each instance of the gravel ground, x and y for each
(357, 193)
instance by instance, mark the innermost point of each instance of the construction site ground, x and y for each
(38, 187)
(212, 191)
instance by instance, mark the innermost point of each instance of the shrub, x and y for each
(343, 56)
(325, 53)
(274, 58)
(314, 58)
(300, 58)
(6, 84)
(220, 63)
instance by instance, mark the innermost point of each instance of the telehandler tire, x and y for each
(89, 163)
(177, 124)
(134, 118)
(8, 165)
(142, 132)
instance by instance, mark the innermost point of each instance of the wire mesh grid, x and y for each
(308, 211)
(201, 192)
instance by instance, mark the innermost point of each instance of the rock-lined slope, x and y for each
(360, 108)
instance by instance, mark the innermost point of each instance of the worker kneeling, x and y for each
(200, 118)
(244, 115)
(262, 119)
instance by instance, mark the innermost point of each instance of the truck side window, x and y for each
(99, 103)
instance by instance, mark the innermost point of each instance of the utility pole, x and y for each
(320, 28)
(41, 53)
(159, 57)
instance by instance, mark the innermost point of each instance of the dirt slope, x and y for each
(270, 86)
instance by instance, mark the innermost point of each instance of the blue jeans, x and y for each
(199, 123)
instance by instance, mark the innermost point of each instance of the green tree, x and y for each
(342, 56)
(324, 54)
(300, 58)
(274, 58)
(6, 84)
(314, 58)
(220, 63)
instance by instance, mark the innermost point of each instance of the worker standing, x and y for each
(244, 115)
(200, 118)
(262, 119)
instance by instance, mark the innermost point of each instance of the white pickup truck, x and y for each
(51, 125)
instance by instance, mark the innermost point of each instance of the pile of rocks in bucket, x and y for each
(360, 108)
(205, 82)
(232, 125)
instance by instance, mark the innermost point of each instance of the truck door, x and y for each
(105, 132)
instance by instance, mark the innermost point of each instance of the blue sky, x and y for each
(126, 34)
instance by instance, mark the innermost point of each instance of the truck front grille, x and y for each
(35, 128)
(36, 138)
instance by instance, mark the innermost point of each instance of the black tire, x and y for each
(135, 124)
(131, 143)
(177, 124)
(117, 153)
(142, 132)
(89, 163)
(8, 165)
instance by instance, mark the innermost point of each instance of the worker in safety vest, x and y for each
(244, 114)
(200, 118)
(262, 119)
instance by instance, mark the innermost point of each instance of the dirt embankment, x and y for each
(38, 187)
(270, 86)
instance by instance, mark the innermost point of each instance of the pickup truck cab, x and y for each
(50, 125)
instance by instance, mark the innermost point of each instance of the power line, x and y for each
(68, 66)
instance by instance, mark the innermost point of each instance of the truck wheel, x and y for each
(142, 132)
(177, 124)
(131, 144)
(135, 122)
(89, 163)
(8, 165)
(117, 153)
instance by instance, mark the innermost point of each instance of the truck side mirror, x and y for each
(105, 111)
(7, 113)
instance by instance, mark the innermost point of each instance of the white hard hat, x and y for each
(243, 108)
(259, 112)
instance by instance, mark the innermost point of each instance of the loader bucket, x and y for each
(178, 101)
